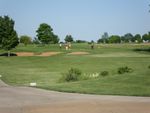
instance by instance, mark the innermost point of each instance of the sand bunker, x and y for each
(25, 54)
(33, 54)
(78, 53)
(49, 53)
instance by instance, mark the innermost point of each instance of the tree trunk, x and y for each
(8, 53)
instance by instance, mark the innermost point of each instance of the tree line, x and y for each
(127, 38)
(44, 35)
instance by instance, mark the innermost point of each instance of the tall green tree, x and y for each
(128, 37)
(100, 41)
(45, 34)
(68, 38)
(55, 39)
(138, 38)
(105, 37)
(146, 37)
(36, 41)
(25, 40)
(8, 36)
(114, 39)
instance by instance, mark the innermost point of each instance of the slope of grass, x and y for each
(46, 71)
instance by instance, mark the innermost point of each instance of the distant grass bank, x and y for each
(46, 71)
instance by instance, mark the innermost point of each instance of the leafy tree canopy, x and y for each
(104, 38)
(114, 39)
(138, 38)
(146, 37)
(8, 36)
(25, 39)
(36, 41)
(68, 38)
(128, 37)
(45, 34)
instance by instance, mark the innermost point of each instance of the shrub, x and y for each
(149, 66)
(104, 73)
(25, 40)
(125, 69)
(72, 75)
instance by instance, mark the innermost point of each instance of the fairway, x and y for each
(46, 70)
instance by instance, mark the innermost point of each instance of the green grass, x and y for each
(46, 71)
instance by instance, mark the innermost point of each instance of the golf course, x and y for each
(45, 66)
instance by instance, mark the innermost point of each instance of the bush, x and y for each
(25, 40)
(72, 75)
(125, 69)
(104, 73)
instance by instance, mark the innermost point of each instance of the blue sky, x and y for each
(83, 19)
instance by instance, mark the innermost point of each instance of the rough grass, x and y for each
(46, 71)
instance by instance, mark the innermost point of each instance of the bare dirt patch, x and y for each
(78, 53)
(33, 54)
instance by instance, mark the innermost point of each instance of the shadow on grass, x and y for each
(6, 54)
(142, 49)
